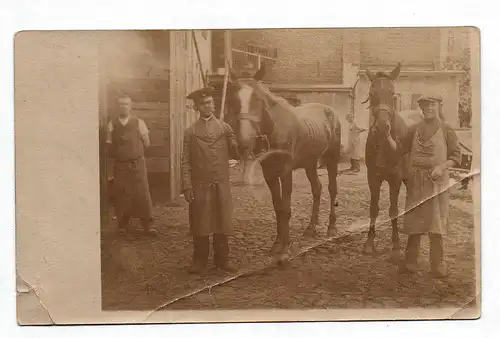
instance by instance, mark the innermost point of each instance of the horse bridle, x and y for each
(255, 124)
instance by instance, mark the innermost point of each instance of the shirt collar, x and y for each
(206, 119)
(124, 120)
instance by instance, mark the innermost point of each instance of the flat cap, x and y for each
(200, 94)
(431, 98)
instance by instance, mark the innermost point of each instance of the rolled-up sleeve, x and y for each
(109, 132)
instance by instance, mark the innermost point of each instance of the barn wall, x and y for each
(185, 77)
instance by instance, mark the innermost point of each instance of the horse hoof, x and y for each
(275, 248)
(331, 232)
(310, 232)
(369, 248)
(395, 257)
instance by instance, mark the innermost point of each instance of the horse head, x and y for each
(247, 109)
(382, 99)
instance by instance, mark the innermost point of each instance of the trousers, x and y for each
(201, 250)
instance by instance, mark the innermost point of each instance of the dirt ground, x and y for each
(147, 274)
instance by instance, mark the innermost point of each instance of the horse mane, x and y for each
(382, 74)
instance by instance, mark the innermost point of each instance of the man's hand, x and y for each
(189, 195)
(437, 172)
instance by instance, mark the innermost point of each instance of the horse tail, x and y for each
(334, 149)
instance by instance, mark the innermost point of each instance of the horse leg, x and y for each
(374, 183)
(332, 168)
(274, 186)
(312, 176)
(286, 214)
(394, 189)
(244, 163)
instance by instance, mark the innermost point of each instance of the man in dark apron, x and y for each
(128, 138)
(205, 178)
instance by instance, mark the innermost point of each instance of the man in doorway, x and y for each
(128, 139)
(207, 146)
(354, 150)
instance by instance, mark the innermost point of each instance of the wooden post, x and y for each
(199, 59)
(224, 90)
(227, 47)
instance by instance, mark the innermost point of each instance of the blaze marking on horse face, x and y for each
(246, 129)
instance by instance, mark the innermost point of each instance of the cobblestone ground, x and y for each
(145, 274)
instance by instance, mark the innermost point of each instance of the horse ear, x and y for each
(260, 73)
(395, 71)
(370, 75)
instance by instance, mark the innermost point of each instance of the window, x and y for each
(451, 41)
(414, 100)
(397, 102)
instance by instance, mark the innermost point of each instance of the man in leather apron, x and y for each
(207, 146)
(434, 148)
(128, 137)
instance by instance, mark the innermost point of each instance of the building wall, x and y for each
(305, 56)
(412, 46)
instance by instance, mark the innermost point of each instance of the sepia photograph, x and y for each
(329, 173)
(287, 169)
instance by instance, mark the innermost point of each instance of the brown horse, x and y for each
(382, 162)
(287, 138)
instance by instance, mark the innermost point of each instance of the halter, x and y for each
(254, 121)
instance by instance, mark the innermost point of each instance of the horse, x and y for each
(287, 138)
(382, 162)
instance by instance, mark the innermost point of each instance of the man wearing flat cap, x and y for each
(434, 148)
(207, 146)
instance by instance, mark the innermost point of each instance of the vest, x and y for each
(127, 140)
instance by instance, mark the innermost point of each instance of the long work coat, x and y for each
(427, 201)
(354, 151)
(131, 185)
(205, 169)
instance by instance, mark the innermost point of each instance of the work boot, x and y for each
(221, 253)
(124, 226)
(410, 262)
(200, 255)
(355, 166)
(439, 271)
(227, 268)
(439, 268)
(148, 231)
(352, 169)
(197, 269)
(407, 268)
